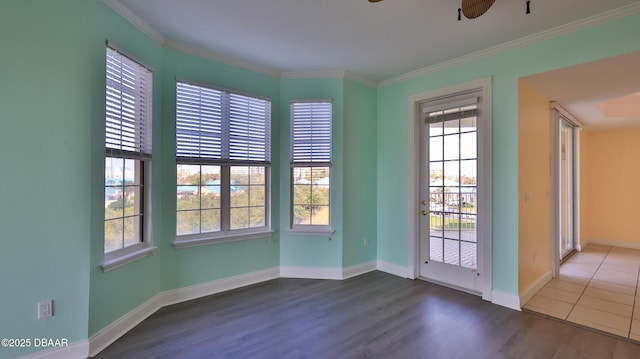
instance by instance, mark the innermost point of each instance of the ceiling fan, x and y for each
(472, 9)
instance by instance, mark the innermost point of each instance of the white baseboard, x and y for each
(311, 272)
(217, 286)
(327, 273)
(79, 350)
(531, 290)
(394, 269)
(118, 328)
(358, 269)
(506, 300)
(614, 243)
(109, 334)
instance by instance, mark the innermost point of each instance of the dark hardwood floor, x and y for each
(375, 315)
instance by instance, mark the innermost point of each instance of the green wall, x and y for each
(359, 206)
(139, 280)
(45, 175)
(312, 250)
(52, 150)
(605, 40)
(353, 176)
(53, 160)
(195, 265)
(169, 268)
(56, 54)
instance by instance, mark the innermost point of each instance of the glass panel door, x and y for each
(449, 195)
(452, 192)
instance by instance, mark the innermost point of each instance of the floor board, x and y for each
(375, 315)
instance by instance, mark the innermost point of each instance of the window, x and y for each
(128, 154)
(310, 164)
(223, 143)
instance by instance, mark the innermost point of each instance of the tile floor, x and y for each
(596, 288)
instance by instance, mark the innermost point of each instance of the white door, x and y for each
(566, 160)
(449, 192)
(565, 177)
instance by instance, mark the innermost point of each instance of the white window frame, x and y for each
(310, 159)
(226, 234)
(139, 151)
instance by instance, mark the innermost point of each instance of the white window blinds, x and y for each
(453, 109)
(221, 126)
(311, 132)
(249, 133)
(128, 105)
(198, 122)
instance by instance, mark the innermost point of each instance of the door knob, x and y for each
(424, 213)
(424, 202)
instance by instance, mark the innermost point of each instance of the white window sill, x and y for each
(313, 230)
(203, 240)
(119, 261)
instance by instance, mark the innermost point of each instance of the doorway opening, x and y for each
(590, 276)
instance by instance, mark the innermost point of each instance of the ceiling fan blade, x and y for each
(474, 8)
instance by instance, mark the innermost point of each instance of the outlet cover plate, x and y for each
(45, 309)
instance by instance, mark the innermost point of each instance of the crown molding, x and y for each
(155, 35)
(328, 74)
(360, 79)
(313, 74)
(530, 39)
(136, 21)
(220, 58)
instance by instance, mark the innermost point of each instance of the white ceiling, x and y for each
(372, 41)
(601, 94)
(386, 40)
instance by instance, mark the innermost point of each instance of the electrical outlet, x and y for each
(45, 309)
(365, 242)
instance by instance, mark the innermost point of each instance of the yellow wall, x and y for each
(533, 178)
(612, 187)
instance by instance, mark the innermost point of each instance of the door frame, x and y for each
(484, 178)
(557, 113)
